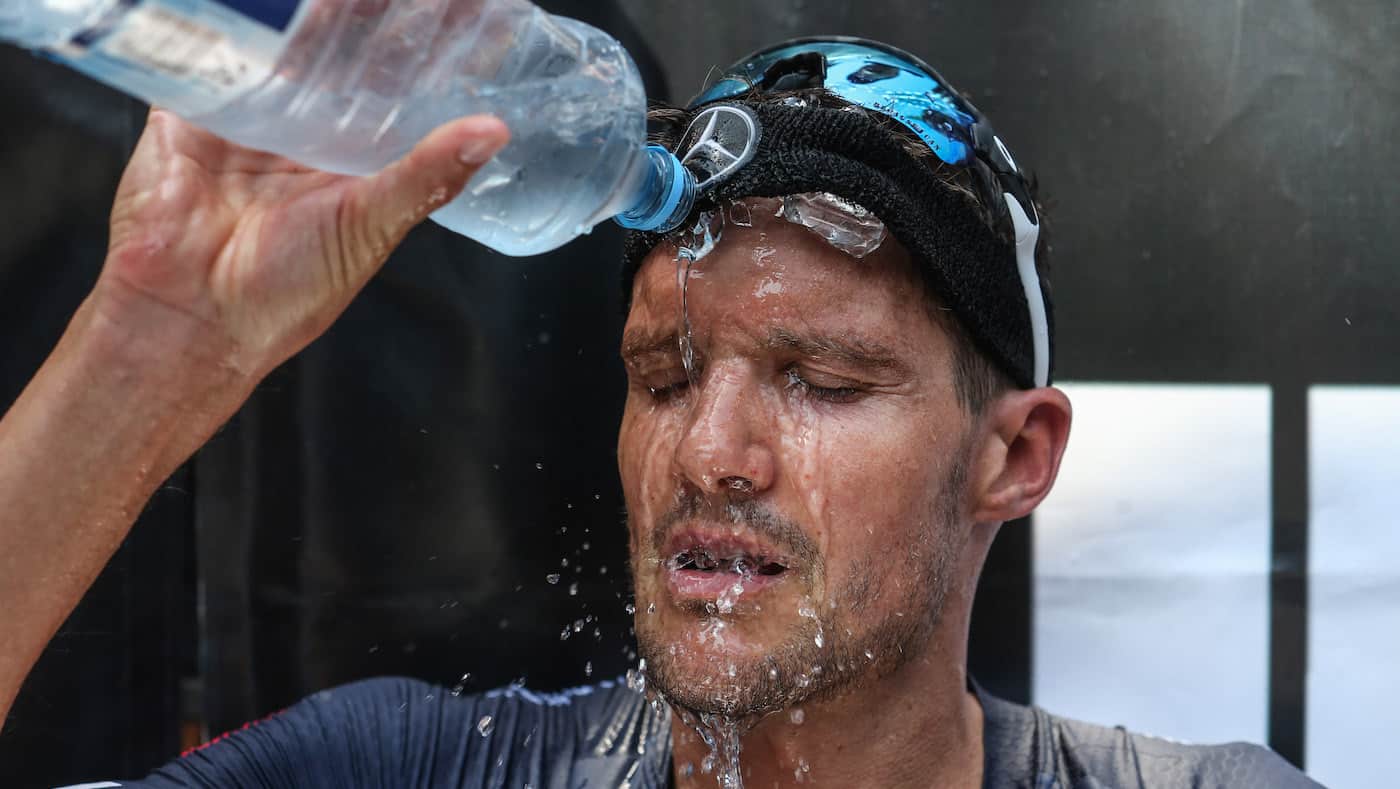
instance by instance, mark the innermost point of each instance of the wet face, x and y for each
(795, 504)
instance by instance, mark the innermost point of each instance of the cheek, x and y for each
(645, 448)
(866, 476)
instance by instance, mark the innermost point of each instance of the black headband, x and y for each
(851, 155)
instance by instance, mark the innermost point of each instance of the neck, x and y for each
(916, 727)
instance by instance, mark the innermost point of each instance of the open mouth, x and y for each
(746, 564)
(705, 565)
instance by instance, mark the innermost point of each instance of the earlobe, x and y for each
(1025, 437)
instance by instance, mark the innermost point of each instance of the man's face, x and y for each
(795, 507)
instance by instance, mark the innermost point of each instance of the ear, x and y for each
(1023, 437)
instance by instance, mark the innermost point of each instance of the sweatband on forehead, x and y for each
(849, 154)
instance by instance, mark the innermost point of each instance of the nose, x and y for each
(725, 446)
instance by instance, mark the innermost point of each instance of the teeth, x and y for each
(743, 564)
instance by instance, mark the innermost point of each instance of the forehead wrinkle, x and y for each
(853, 350)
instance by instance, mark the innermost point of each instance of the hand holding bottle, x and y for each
(264, 252)
(223, 262)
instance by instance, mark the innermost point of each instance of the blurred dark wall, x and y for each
(1219, 175)
(1221, 193)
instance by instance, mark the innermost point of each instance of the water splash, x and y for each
(637, 677)
(462, 684)
(721, 734)
(843, 224)
(739, 214)
(804, 609)
(800, 773)
(691, 247)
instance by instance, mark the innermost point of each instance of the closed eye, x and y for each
(663, 392)
(830, 394)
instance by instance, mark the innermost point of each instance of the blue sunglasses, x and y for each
(894, 83)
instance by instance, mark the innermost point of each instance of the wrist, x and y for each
(133, 346)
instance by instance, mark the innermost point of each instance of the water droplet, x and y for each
(651, 608)
(818, 639)
(565, 633)
(485, 725)
(573, 589)
(869, 655)
(588, 669)
(539, 466)
(630, 609)
(552, 578)
(740, 214)
(796, 715)
(462, 684)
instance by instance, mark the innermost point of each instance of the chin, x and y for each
(735, 667)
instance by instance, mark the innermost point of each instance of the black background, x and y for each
(1221, 181)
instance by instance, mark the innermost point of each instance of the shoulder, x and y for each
(405, 732)
(1028, 747)
(1114, 753)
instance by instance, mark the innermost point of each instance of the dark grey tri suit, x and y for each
(405, 734)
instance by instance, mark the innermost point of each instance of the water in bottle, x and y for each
(349, 86)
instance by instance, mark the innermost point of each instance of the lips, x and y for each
(709, 564)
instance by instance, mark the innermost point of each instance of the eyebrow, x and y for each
(640, 343)
(854, 351)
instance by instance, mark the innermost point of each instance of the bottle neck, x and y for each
(661, 196)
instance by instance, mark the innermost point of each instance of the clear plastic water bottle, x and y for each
(349, 86)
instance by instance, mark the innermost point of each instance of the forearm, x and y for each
(116, 408)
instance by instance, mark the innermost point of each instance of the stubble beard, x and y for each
(807, 669)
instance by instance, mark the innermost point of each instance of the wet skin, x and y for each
(823, 396)
(822, 412)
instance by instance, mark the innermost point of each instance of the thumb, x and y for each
(393, 201)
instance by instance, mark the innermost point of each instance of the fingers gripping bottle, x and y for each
(349, 86)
